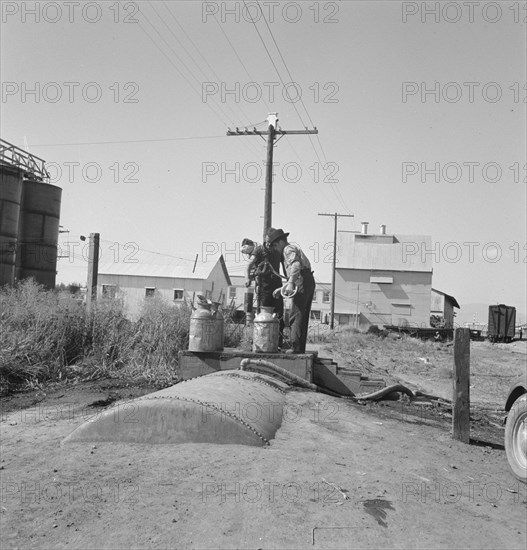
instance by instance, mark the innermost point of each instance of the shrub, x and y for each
(49, 336)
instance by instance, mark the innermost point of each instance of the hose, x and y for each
(294, 379)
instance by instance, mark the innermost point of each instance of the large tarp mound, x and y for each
(226, 407)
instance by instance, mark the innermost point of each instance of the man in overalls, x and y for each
(300, 277)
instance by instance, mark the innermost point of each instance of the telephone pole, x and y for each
(93, 270)
(271, 134)
(335, 216)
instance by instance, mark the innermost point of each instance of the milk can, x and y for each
(219, 326)
(266, 331)
(202, 334)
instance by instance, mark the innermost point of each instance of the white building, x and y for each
(383, 279)
(175, 280)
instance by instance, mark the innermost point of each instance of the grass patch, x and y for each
(48, 336)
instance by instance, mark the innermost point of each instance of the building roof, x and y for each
(237, 280)
(451, 299)
(384, 252)
(145, 264)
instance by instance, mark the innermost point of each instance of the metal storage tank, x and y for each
(10, 196)
(38, 232)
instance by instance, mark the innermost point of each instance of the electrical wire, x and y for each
(333, 187)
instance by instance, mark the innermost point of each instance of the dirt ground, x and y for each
(337, 475)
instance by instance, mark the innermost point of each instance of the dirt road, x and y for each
(337, 475)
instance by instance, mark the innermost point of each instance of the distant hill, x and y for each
(481, 312)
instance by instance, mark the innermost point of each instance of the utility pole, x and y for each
(93, 268)
(271, 134)
(335, 216)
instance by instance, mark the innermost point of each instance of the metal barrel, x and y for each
(202, 332)
(38, 232)
(226, 407)
(10, 197)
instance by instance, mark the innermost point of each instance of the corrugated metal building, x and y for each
(384, 279)
(175, 280)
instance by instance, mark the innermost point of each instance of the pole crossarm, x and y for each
(255, 132)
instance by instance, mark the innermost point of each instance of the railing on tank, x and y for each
(34, 166)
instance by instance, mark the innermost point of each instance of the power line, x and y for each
(125, 141)
(237, 56)
(180, 72)
(192, 58)
(333, 187)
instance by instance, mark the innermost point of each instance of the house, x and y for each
(442, 308)
(174, 279)
(383, 279)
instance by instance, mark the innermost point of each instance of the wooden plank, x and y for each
(461, 379)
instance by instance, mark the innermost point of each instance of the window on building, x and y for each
(315, 296)
(326, 296)
(232, 293)
(178, 294)
(150, 291)
(108, 291)
(315, 314)
(343, 319)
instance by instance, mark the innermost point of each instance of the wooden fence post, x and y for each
(461, 379)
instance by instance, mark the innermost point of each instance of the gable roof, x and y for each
(147, 264)
(451, 299)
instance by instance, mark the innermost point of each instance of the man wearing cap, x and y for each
(300, 277)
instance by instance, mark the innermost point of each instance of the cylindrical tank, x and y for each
(202, 333)
(219, 325)
(10, 197)
(38, 232)
(266, 331)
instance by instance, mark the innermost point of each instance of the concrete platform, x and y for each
(194, 363)
(309, 366)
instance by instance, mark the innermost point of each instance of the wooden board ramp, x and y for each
(225, 407)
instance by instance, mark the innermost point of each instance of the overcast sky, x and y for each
(421, 117)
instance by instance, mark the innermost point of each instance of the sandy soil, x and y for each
(337, 475)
